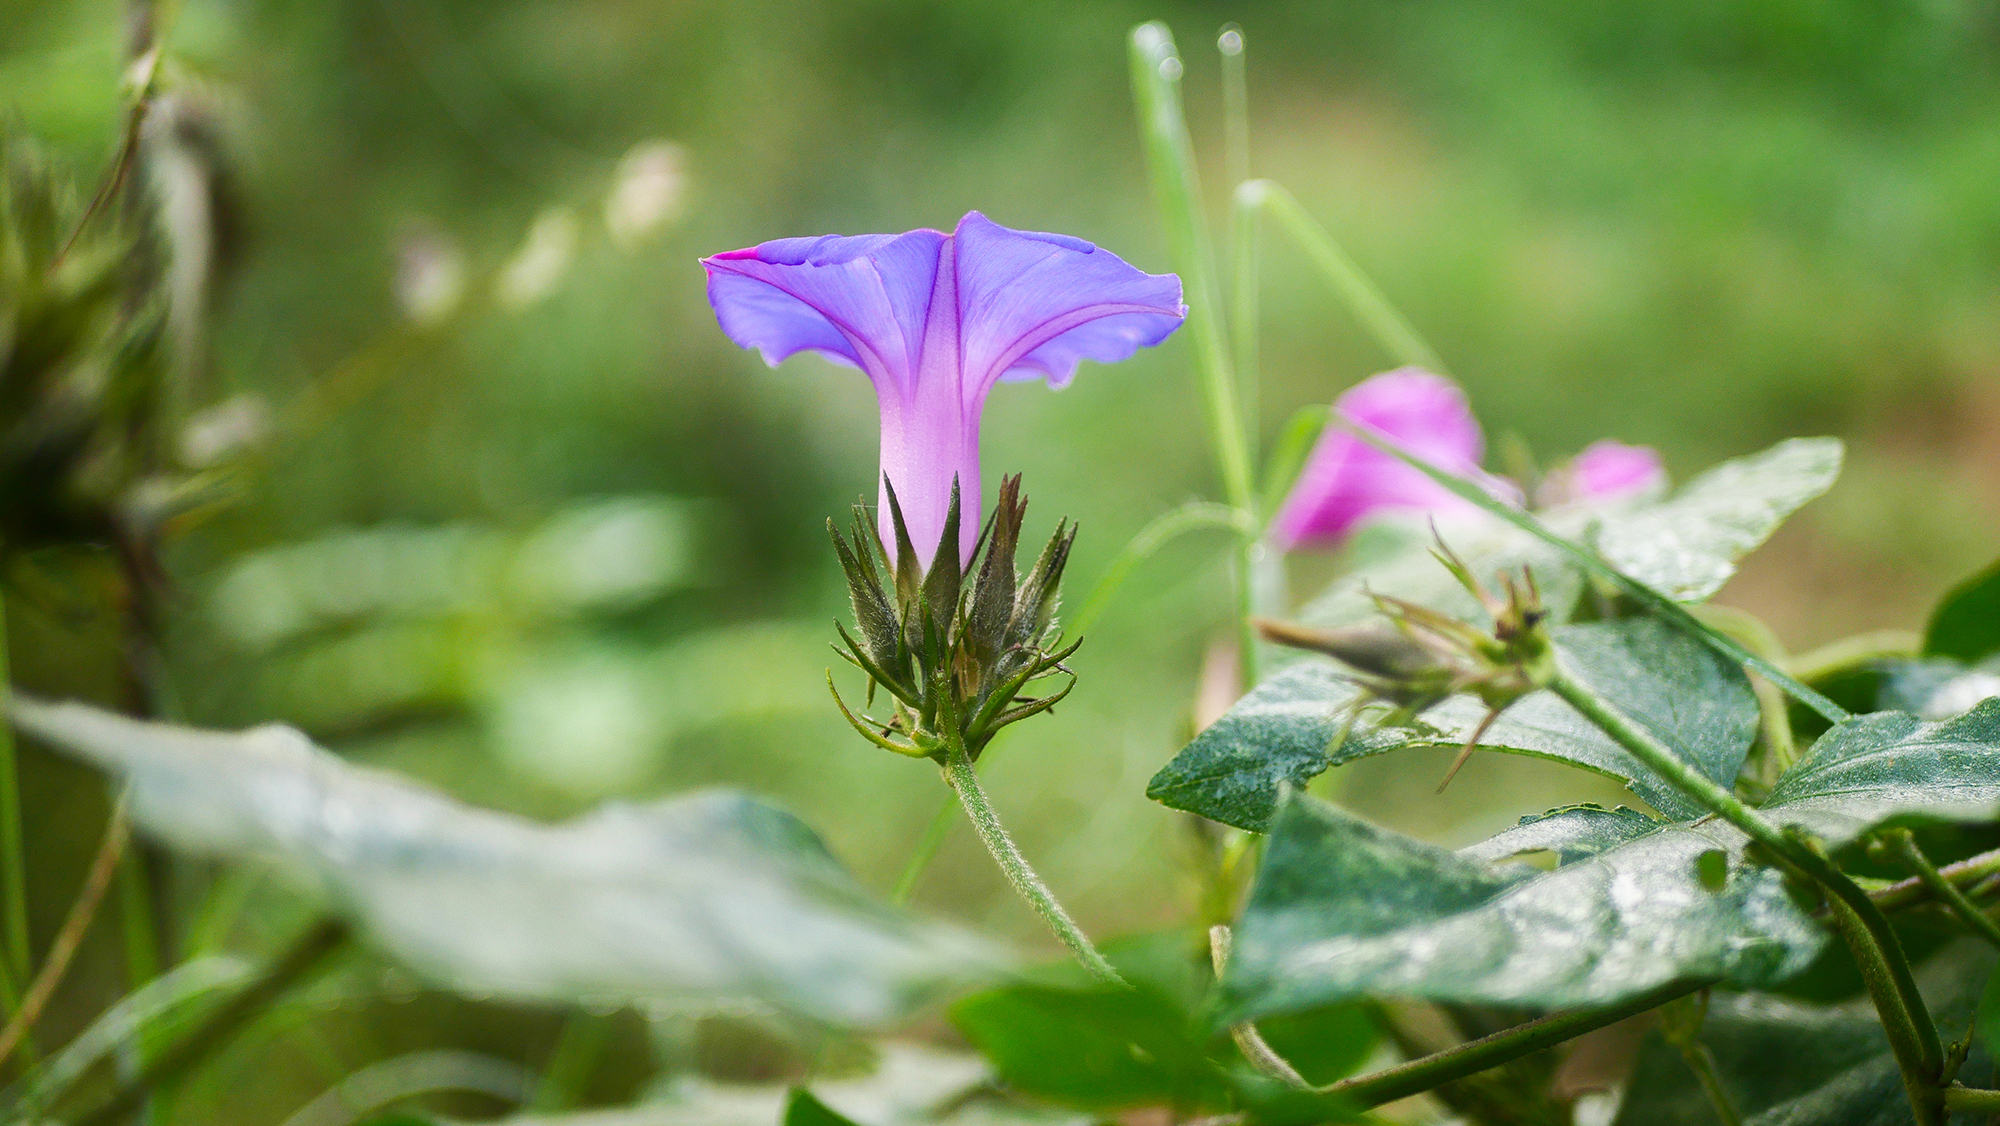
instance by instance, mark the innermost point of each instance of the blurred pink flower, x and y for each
(1605, 471)
(1346, 481)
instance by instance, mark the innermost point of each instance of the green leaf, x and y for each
(1966, 623)
(1874, 768)
(1594, 563)
(1343, 909)
(1795, 1064)
(710, 899)
(1687, 546)
(1100, 1049)
(1282, 732)
(804, 1110)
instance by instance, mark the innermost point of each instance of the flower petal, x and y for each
(1345, 480)
(1606, 471)
(1033, 304)
(860, 300)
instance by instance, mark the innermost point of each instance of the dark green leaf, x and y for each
(707, 899)
(1872, 768)
(1343, 909)
(1696, 702)
(1790, 1064)
(1966, 624)
(801, 1109)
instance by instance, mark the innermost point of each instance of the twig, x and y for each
(63, 950)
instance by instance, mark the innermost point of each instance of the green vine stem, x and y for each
(965, 781)
(1905, 844)
(1972, 1099)
(1962, 874)
(1475, 1056)
(1893, 988)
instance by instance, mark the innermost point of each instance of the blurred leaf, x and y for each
(710, 899)
(1804, 1065)
(1101, 1049)
(913, 1085)
(1342, 909)
(1966, 624)
(1282, 732)
(804, 1110)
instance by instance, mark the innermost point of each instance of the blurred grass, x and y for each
(1698, 225)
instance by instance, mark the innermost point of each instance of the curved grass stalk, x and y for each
(1361, 296)
(1164, 529)
(1156, 74)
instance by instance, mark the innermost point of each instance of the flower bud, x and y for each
(957, 659)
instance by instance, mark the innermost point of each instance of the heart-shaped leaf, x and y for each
(710, 899)
(1284, 731)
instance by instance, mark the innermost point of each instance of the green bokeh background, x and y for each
(1699, 225)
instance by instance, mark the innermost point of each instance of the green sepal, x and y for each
(872, 612)
(942, 581)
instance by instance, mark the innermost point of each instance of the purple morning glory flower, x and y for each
(1605, 471)
(934, 320)
(1346, 481)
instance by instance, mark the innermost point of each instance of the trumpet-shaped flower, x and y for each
(1346, 481)
(934, 320)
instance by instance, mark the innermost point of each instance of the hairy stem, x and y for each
(1475, 1056)
(1874, 942)
(1249, 1041)
(1947, 892)
(304, 956)
(963, 779)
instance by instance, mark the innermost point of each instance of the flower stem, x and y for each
(1947, 892)
(1873, 942)
(965, 781)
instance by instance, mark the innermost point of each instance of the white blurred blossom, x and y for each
(538, 267)
(430, 276)
(649, 193)
(216, 432)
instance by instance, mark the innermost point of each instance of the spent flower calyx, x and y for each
(958, 645)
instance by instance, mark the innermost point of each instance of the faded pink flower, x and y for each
(1605, 471)
(1346, 481)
